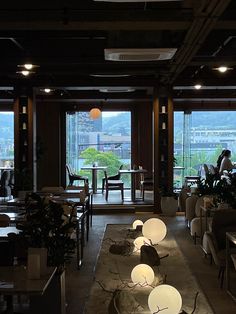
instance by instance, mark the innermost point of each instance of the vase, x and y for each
(169, 205)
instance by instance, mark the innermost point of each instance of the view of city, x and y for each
(105, 141)
(199, 138)
(6, 139)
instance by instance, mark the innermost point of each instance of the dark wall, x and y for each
(48, 144)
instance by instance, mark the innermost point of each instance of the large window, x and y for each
(199, 137)
(6, 139)
(105, 141)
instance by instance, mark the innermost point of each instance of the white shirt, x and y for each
(226, 164)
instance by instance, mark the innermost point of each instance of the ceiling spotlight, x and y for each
(222, 69)
(28, 66)
(198, 86)
(47, 90)
(25, 72)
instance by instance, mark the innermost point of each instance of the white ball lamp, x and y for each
(165, 299)
(137, 223)
(142, 274)
(138, 242)
(154, 229)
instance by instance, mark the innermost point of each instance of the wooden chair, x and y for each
(74, 177)
(113, 185)
(115, 177)
(146, 182)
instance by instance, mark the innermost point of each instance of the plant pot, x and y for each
(42, 256)
(169, 205)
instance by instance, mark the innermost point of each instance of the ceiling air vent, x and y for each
(155, 54)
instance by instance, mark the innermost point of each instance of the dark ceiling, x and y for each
(67, 40)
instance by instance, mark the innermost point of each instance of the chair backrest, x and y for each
(69, 169)
(4, 220)
(106, 178)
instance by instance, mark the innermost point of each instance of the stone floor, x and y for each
(78, 282)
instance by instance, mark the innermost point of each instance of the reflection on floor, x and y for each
(78, 282)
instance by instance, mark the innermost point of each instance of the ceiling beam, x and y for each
(121, 25)
(205, 20)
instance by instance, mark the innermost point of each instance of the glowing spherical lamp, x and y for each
(138, 242)
(165, 298)
(142, 274)
(154, 229)
(137, 223)
(95, 113)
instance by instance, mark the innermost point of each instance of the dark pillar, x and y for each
(162, 144)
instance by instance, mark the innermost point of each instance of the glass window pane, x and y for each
(105, 141)
(6, 139)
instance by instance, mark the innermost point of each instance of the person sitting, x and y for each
(226, 163)
(218, 163)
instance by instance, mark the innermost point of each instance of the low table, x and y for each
(113, 272)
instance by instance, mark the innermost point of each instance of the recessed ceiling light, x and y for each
(198, 86)
(47, 90)
(24, 72)
(28, 66)
(222, 69)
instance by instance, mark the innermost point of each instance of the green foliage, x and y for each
(224, 190)
(47, 226)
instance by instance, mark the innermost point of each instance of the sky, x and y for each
(107, 114)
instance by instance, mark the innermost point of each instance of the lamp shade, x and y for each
(137, 223)
(154, 229)
(165, 298)
(95, 113)
(138, 242)
(142, 274)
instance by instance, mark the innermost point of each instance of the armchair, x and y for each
(74, 177)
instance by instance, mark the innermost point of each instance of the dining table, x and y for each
(94, 170)
(133, 173)
(44, 293)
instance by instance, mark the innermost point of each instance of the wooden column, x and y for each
(23, 139)
(162, 144)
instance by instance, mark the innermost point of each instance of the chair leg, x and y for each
(106, 194)
(143, 193)
(122, 193)
(103, 184)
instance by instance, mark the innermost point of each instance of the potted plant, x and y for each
(169, 202)
(48, 227)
